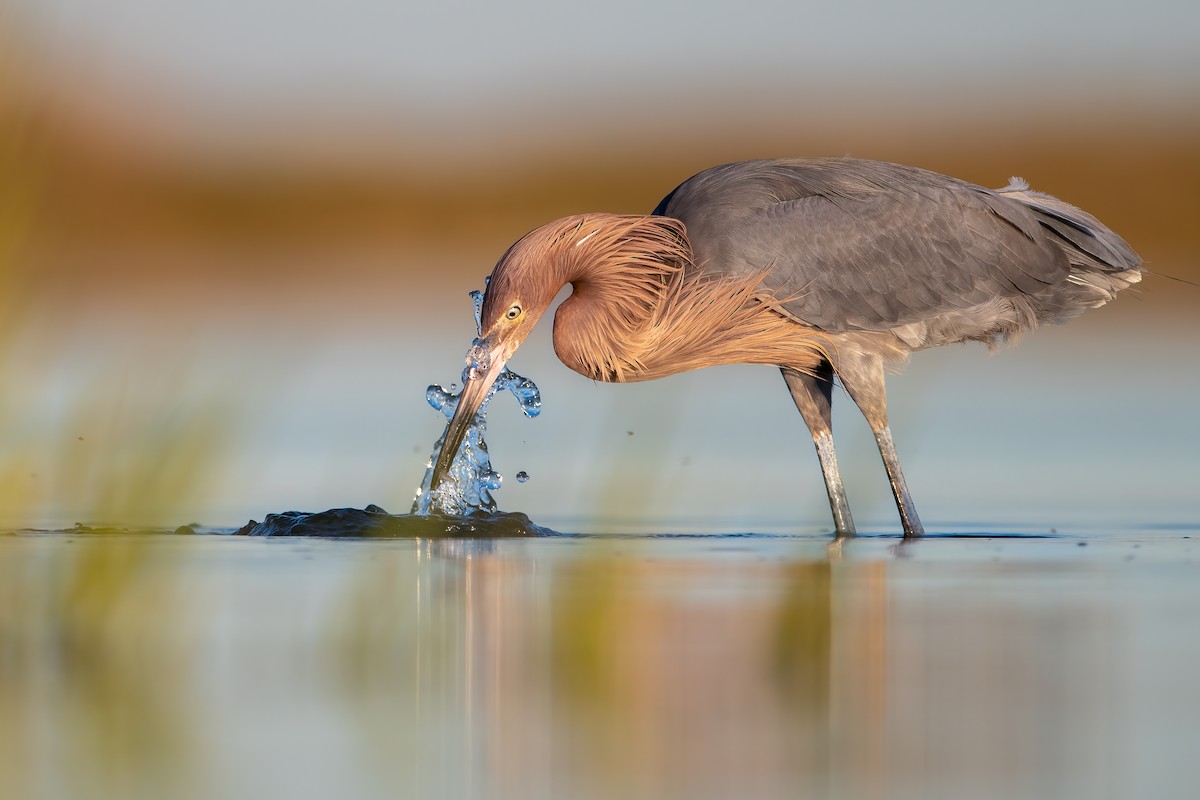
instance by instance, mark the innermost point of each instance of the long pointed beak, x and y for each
(475, 391)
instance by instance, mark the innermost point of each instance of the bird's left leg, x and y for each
(862, 375)
(813, 395)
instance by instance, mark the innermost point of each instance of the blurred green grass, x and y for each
(153, 445)
(95, 641)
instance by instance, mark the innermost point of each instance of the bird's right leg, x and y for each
(862, 375)
(813, 395)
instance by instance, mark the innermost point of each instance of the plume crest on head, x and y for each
(621, 261)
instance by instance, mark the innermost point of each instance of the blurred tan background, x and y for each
(237, 237)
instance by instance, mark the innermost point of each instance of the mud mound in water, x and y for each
(373, 522)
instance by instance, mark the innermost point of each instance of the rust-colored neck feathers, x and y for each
(640, 309)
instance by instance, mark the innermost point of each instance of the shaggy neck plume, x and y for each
(639, 310)
(621, 269)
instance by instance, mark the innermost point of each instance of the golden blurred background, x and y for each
(236, 242)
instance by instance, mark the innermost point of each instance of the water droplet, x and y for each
(477, 299)
(437, 397)
(479, 359)
(526, 392)
(522, 476)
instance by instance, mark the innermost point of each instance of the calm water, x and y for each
(1022, 663)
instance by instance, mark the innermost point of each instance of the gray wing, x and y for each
(861, 245)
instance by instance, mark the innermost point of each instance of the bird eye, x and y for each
(513, 312)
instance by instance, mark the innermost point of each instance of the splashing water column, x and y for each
(471, 480)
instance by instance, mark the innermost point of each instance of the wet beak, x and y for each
(475, 390)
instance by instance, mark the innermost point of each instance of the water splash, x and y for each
(477, 300)
(471, 480)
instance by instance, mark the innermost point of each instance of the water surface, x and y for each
(1011, 662)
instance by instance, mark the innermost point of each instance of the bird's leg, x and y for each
(813, 397)
(863, 377)
(904, 502)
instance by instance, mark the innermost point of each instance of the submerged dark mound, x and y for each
(373, 522)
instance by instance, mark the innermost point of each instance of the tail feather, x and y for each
(1087, 242)
(1102, 263)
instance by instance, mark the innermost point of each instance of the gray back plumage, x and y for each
(849, 244)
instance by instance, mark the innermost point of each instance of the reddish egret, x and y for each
(826, 268)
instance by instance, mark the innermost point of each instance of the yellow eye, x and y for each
(513, 312)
